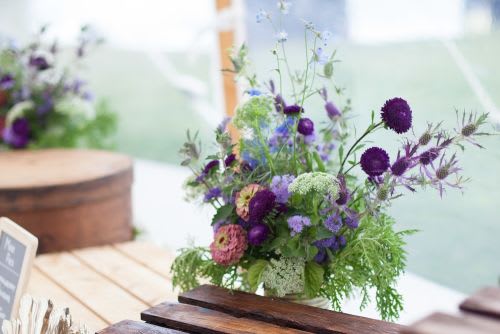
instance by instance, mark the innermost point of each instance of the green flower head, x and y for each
(317, 182)
(284, 276)
(254, 112)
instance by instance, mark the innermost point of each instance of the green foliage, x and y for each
(313, 279)
(255, 274)
(374, 257)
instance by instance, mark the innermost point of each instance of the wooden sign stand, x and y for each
(17, 252)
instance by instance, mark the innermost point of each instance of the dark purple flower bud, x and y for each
(229, 160)
(212, 193)
(258, 234)
(374, 161)
(212, 164)
(17, 135)
(342, 241)
(7, 82)
(261, 204)
(293, 110)
(332, 110)
(321, 257)
(39, 62)
(279, 103)
(282, 208)
(400, 166)
(396, 114)
(344, 197)
(305, 126)
(429, 156)
(351, 222)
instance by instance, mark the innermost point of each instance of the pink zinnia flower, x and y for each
(229, 245)
(243, 198)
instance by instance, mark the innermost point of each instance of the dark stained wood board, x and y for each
(440, 323)
(136, 327)
(283, 313)
(194, 319)
(485, 301)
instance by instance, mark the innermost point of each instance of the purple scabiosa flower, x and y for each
(229, 160)
(297, 223)
(261, 204)
(332, 111)
(396, 114)
(305, 127)
(258, 234)
(352, 221)
(17, 134)
(333, 223)
(374, 161)
(279, 186)
(7, 81)
(211, 165)
(212, 193)
(293, 110)
(400, 166)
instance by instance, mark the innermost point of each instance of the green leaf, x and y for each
(328, 70)
(322, 233)
(222, 213)
(313, 279)
(255, 273)
(319, 162)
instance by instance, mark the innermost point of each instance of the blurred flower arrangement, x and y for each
(43, 103)
(294, 214)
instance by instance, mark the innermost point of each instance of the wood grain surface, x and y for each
(276, 311)
(485, 301)
(194, 319)
(136, 327)
(440, 323)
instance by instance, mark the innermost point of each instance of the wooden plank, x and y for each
(485, 301)
(145, 284)
(149, 255)
(194, 319)
(440, 323)
(40, 286)
(90, 288)
(136, 327)
(312, 319)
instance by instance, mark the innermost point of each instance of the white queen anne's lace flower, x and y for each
(284, 276)
(318, 182)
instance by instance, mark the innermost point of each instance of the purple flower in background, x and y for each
(261, 204)
(332, 111)
(297, 223)
(7, 82)
(321, 257)
(229, 160)
(309, 139)
(279, 103)
(212, 193)
(352, 221)
(344, 195)
(46, 105)
(374, 161)
(87, 96)
(258, 234)
(305, 126)
(211, 165)
(333, 223)
(320, 56)
(218, 225)
(293, 109)
(17, 134)
(39, 62)
(396, 114)
(438, 177)
(279, 186)
(429, 156)
(223, 125)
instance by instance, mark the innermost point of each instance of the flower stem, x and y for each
(369, 130)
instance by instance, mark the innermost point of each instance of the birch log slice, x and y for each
(68, 198)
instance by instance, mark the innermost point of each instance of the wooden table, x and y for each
(103, 285)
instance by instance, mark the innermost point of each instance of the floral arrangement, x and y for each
(301, 209)
(42, 101)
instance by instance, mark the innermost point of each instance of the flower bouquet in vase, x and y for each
(301, 209)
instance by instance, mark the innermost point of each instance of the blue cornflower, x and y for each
(254, 92)
(320, 56)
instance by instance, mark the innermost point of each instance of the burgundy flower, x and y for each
(374, 161)
(305, 126)
(293, 110)
(258, 234)
(229, 160)
(396, 114)
(262, 203)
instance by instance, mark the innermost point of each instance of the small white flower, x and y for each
(282, 36)
(325, 36)
(261, 15)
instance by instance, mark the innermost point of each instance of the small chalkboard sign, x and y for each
(17, 252)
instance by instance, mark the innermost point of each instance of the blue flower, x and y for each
(297, 223)
(254, 92)
(212, 193)
(333, 223)
(320, 56)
